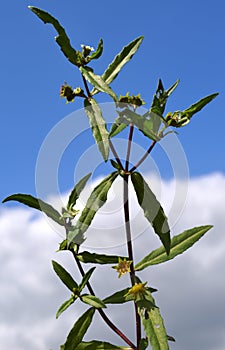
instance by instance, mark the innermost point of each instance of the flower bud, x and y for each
(67, 92)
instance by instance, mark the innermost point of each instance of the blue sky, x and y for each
(181, 40)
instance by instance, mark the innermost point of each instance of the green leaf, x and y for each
(65, 305)
(98, 126)
(64, 276)
(99, 345)
(62, 246)
(143, 123)
(74, 195)
(143, 344)
(119, 61)
(160, 98)
(96, 200)
(152, 209)
(196, 107)
(181, 118)
(119, 125)
(36, 203)
(98, 52)
(86, 278)
(172, 88)
(94, 258)
(153, 323)
(170, 338)
(79, 329)
(179, 244)
(93, 301)
(155, 113)
(115, 164)
(62, 38)
(98, 82)
(119, 297)
(122, 296)
(154, 328)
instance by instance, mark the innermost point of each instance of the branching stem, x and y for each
(144, 157)
(101, 312)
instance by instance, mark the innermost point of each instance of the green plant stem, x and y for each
(144, 157)
(129, 146)
(101, 312)
(130, 252)
(115, 154)
(86, 86)
(128, 230)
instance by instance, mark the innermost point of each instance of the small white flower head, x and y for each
(90, 48)
(86, 50)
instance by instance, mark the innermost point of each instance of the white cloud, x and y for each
(191, 287)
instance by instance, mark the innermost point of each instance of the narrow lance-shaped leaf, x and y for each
(152, 209)
(119, 125)
(98, 51)
(98, 82)
(119, 297)
(115, 165)
(196, 107)
(86, 278)
(93, 301)
(62, 38)
(161, 96)
(98, 126)
(119, 61)
(65, 277)
(122, 296)
(153, 323)
(181, 118)
(94, 258)
(99, 345)
(79, 329)
(154, 328)
(143, 124)
(65, 306)
(74, 195)
(96, 200)
(179, 244)
(38, 204)
(159, 103)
